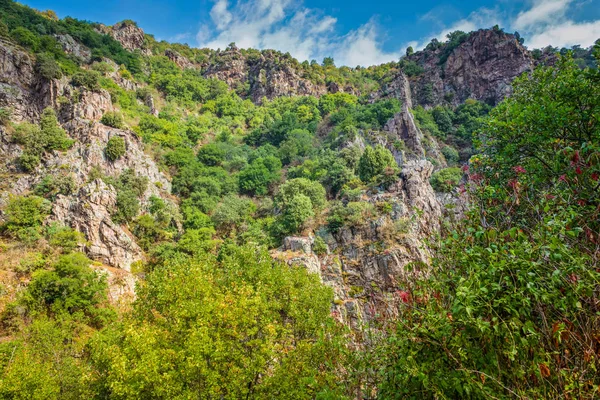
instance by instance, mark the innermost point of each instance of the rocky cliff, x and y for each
(369, 264)
(89, 208)
(482, 68)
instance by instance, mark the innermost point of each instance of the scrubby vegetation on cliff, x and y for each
(270, 197)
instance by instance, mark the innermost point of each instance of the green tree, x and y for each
(211, 154)
(256, 177)
(113, 119)
(24, 216)
(25, 37)
(297, 144)
(213, 326)
(115, 148)
(47, 66)
(71, 286)
(298, 210)
(509, 304)
(87, 79)
(377, 165)
(232, 211)
(444, 180)
(328, 62)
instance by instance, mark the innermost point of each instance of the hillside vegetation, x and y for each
(241, 213)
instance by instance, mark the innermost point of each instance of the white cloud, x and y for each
(547, 23)
(220, 15)
(180, 37)
(566, 34)
(544, 23)
(482, 18)
(543, 11)
(306, 33)
(361, 47)
(283, 25)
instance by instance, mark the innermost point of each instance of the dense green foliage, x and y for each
(113, 119)
(507, 308)
(36, 140)
(444, 180)
(377, 165)
(115, 148)
(510, 309)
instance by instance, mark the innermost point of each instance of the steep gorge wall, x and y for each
(89, 208)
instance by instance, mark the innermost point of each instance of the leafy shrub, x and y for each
(102, 67)
(128, 206)
(28, 162)
(36, 140)
(256, 177)
(197, 241)
(251, 284)
(115, 148)
(352, 214)
(70, 287)
(319, 246)
(130, 187)
(24, 217)
(87, 79)
(298, 210)
(31, 263)
(297, 144)
(411, 68)
(293, 187)
(377, 165)
(113, 119)
(232, 211)
(211, 154)
(52, 185)
(451, 154)
(63, 237)
(446, 179)
(47, 67)
(53, 137)
(5, 115)
(25, 37)
(148, 231)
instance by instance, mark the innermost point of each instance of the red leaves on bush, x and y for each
(519, 170)
(404, 296)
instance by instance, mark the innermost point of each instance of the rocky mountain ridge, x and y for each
(365, 263)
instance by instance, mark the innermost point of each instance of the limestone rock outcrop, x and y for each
(71, 46)
(481, 68)
(181, 61)
(21, 90)
(89, 212)
(128, 34)
(263, 75)
(370, 263)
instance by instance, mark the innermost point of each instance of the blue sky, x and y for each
(354, 32)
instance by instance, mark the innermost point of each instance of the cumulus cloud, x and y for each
(542, 11)
(543, 23)
(482, 18)
(547, 23)
(566, 34)
(286, 26)
(308, 33)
